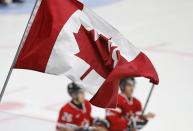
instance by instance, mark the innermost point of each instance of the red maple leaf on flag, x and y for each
(95, 53)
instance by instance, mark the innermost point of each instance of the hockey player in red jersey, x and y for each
(127, 116)
(77, 112)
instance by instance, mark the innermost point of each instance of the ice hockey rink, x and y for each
(163, 29)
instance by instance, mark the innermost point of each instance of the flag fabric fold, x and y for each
(67, 38)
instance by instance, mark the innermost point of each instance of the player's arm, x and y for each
(147, 116)
(137, 120)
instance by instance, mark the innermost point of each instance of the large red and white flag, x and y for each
(66, 38)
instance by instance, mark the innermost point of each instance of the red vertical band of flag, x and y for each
(49, 20)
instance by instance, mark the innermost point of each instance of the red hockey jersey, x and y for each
(71, 115)
(119, 117)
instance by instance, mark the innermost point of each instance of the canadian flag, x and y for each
(66, 38)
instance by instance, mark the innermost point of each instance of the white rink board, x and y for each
(163, 29)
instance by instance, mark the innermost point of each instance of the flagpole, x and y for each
(147, 101)
(17, 52)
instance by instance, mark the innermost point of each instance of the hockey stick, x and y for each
(148, 98)
(18, 50)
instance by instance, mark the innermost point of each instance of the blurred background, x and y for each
(162, 29)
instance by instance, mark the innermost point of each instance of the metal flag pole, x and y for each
(148, 98)
(18, 50)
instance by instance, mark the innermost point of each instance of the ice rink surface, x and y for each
(163, 29)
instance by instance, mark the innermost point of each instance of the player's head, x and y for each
(76, 92)
(127, 86)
